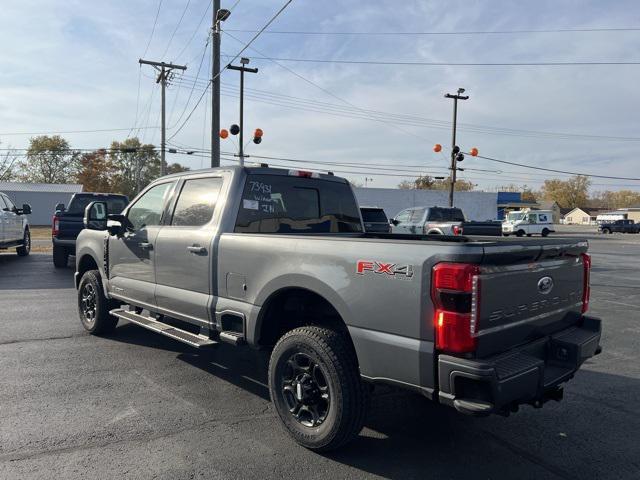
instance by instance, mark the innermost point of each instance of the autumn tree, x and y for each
(570, 193)
(135, 165)
(8, 164)
(49, 159)
(613, 200)
(97, 172)
(427, 182)
(176, 168)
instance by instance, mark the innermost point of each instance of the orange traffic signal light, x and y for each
(224, 133)
(258, 133)
(437, 148)
(474, 152)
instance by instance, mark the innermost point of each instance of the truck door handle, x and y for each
(146, 245)
(197, 249)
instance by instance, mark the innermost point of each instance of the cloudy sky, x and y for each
(73, 65)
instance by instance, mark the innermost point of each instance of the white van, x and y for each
(528, 222)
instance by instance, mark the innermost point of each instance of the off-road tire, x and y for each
(545, 232)
(25, 248)
(60, 257)
(348, 395)
(90, 292)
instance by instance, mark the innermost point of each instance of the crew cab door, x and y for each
(12, 221)
(185, 257)
(132, 254)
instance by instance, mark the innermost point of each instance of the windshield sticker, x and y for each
(250, 204)
(389, 270)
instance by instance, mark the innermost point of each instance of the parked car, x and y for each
(441, 221)
(528, 222)
(279, 260)
(619, 226)
(14, 226)
(375, 220)
(68, 222)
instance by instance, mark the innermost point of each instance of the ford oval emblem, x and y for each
(545, 285)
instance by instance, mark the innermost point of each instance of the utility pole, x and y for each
(244, 61)
(164, 70)
(219, 15)
(454, 149)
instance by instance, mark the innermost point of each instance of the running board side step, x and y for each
(192, 339)
(234, 338)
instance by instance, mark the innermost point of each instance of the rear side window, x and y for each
(196, 202)
(278, 204)
(374, 215)
(416, 215)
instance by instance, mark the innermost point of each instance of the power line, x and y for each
(328, 92)
(456, 33)
(60, 132)
(447, 64)
(186, 7)
(195, 31)
(153, 30)
(247, 45)
(558, 171)
(299, 103)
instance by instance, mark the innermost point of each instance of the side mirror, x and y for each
(118, 224)
(60, 207)
(95, 216)
(393, 221)
(26, 209)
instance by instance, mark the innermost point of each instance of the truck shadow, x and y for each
(592, 433)
(407, 436)
(35, 271)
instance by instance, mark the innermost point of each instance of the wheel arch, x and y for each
(290, 307)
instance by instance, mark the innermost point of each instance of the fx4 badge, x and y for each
(392, 270)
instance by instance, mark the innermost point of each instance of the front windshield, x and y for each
(515, 216)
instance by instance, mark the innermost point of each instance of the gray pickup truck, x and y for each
(279, 260)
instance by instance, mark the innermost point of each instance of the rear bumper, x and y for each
(67, 243)
(530, 374)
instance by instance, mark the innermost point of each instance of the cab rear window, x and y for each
(279, 204)
(373, 215)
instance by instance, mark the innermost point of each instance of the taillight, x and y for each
(55, 226)
(457, 230)
(586, 281)
(453, 286)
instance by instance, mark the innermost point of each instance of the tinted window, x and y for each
(148, 209)
(435, 215)
(454, 215)
(275, 204)
(196, 202)
(542, 217)
(374, 215)
(79, 203)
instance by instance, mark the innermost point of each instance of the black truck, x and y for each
(68, 222)
(620, 226)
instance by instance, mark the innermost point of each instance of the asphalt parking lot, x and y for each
(138, 405)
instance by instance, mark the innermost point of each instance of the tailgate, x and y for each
(70, 227)
(519, 302)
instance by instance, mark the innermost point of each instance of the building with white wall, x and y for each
(42, 197)
(475, 205)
